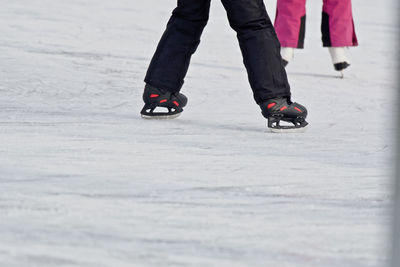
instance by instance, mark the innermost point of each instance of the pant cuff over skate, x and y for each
(163, 87)
(267, 97)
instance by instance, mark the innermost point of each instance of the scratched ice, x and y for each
(84, 181)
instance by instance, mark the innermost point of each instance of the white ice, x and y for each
(84, 181)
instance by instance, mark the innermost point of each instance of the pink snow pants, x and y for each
(337, 23)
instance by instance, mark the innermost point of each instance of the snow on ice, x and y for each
(84, 181)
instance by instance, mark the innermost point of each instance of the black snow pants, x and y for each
(257, 39)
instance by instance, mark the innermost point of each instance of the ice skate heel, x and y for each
(282, 109)
(340, 67)
(160, 104)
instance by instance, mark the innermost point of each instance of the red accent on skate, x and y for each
(154, 96)
(176, 103)
(296, 108)
(271, 105)
(283, 108)
(163, 101)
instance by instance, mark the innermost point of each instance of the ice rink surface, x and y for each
(84, 181)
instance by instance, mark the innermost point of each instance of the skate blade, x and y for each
(289, 130)
(161, 117)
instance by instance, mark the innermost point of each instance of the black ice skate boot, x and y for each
(153, 98)
(282, 109)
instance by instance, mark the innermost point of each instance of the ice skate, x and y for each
(287, 54)
(282, 109)
(339, 59)
(155, 99)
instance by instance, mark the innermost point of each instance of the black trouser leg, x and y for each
(170, 63)
(260, 48)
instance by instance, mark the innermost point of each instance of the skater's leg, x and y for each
(260, 48)
(338, 31)
(171, 60)
(337, 24)
(261, 55)
(290, 22)
(179, 41)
